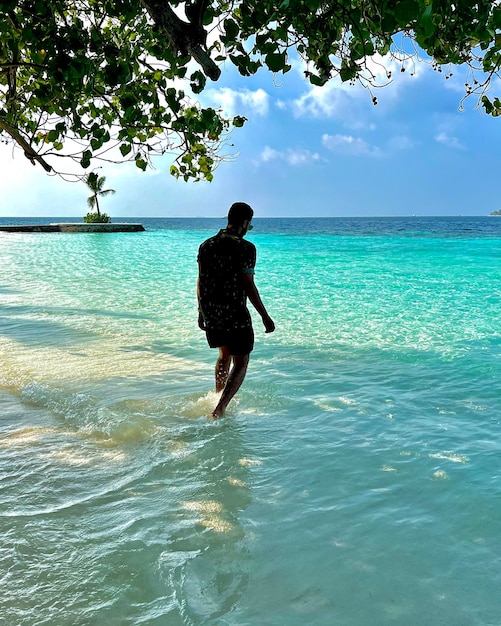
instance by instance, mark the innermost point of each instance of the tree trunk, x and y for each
(183, 37)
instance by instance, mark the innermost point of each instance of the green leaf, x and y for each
(275, 62)
(312, 5)
(125, 148)
(239, 121)
(496, 17)
(407, 11)
(230, 28)
(85, 161)
(198, 81)
(141, 164)
(347, 73)
(316, 80)
(427, 21)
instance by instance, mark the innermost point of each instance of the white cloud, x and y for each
(349, 103)
(399, 143)
(354, 146)
(269, 154)
(300, 157)
(322, 102)
(449, 140)
(234, 102)
(290, 156)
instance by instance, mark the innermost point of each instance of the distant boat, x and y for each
(496, 213)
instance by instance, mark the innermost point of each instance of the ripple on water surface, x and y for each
(355, 481)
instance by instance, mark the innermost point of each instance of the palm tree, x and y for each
(96, 183)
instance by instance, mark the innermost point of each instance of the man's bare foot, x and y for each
(217, 413)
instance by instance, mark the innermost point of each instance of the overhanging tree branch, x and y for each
(184, 38)
(20, 140)
(80, 80)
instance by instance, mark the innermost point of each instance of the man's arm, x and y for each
(257, 303)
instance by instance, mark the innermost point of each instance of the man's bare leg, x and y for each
(235, 380)
(222, 368)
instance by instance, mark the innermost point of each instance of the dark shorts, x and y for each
(239, 342)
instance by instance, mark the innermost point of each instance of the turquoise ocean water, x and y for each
(356, 480)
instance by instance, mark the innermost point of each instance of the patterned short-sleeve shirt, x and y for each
(222, 260)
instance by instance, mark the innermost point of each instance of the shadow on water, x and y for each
(55, 310)
(156, 347)
(173, 348)
(20, 323)
(36, 332)
(8, 290)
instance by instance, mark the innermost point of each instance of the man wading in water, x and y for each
(225, 281)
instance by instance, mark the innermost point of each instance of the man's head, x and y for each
(240, 215)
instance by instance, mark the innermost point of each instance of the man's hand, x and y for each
(255, 298)
(201, 321)
(269, 324)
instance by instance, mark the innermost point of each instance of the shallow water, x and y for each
(355, 481)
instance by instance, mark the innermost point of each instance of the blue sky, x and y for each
(307, 151)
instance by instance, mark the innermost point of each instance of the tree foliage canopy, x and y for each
(90, 79)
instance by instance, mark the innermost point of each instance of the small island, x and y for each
(78, 227)
(94, 222)
(498, 213)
